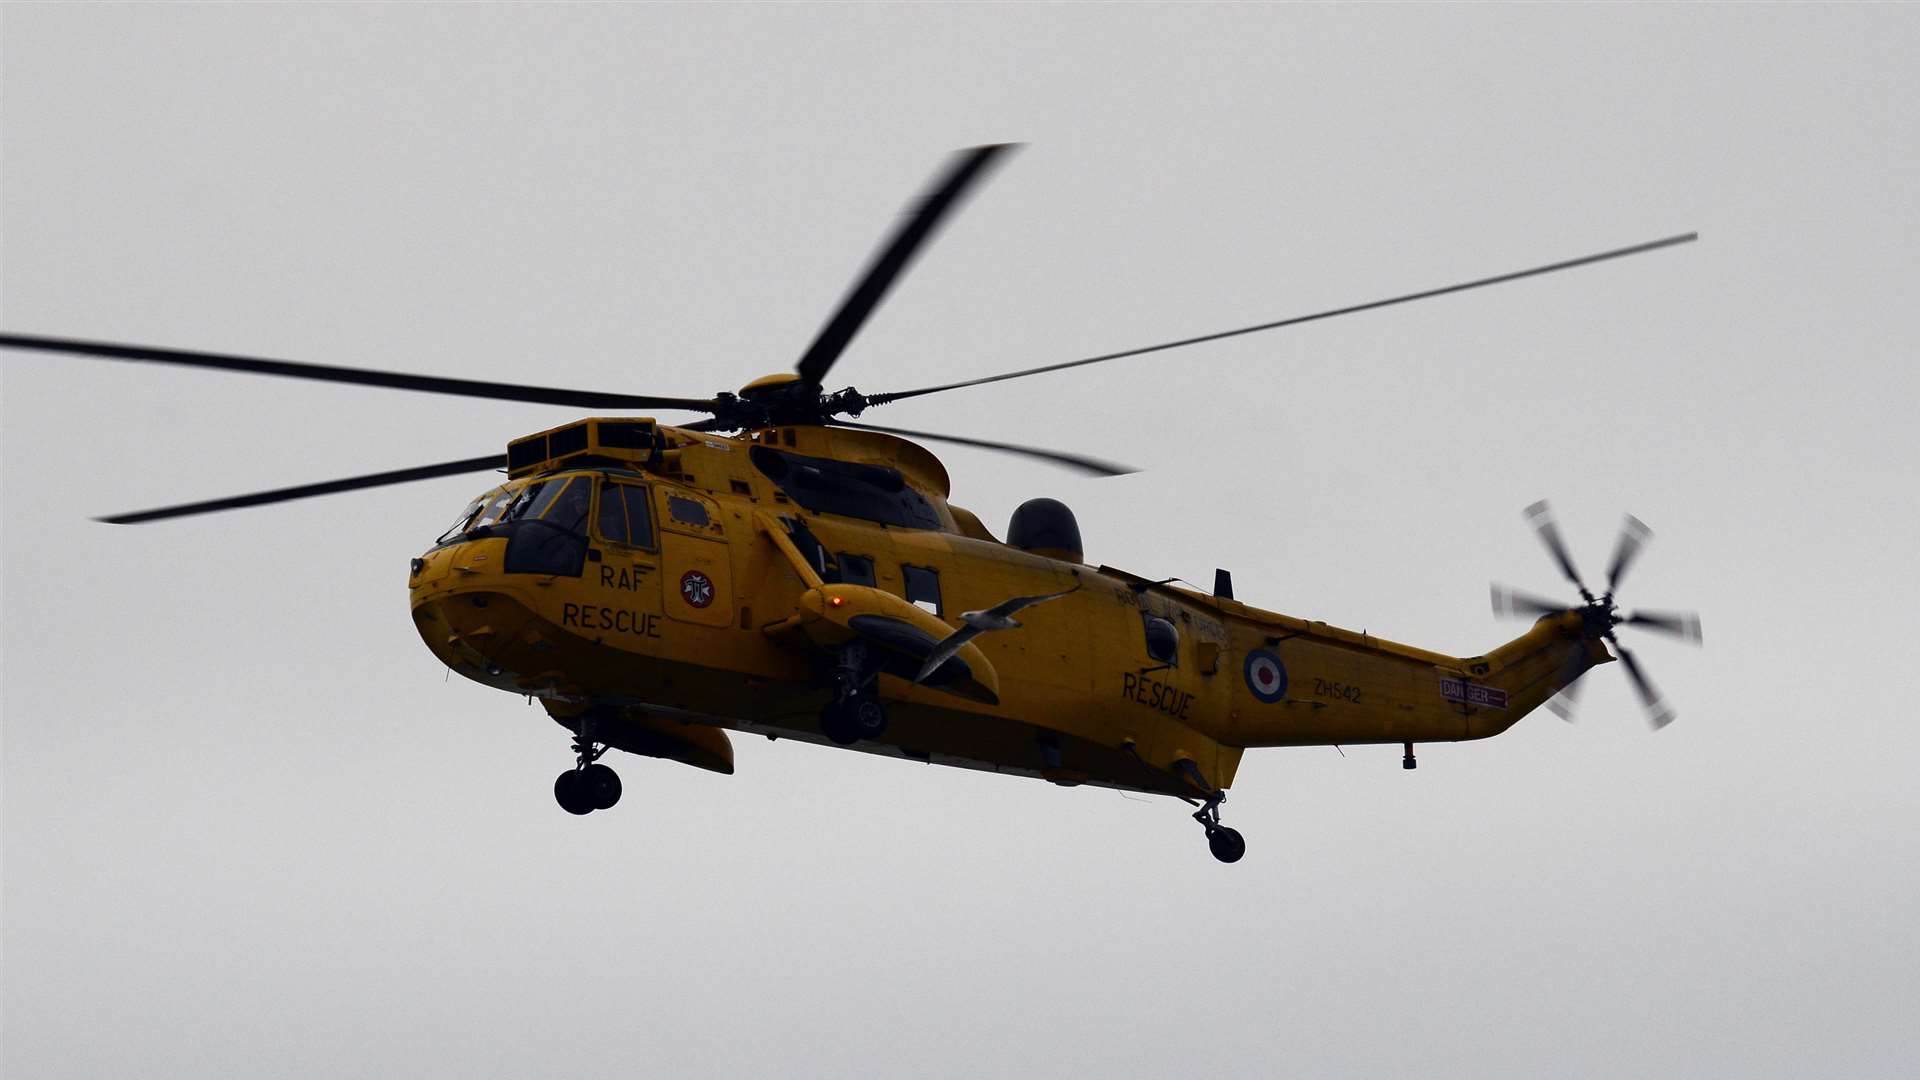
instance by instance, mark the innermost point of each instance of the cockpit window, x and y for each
(547, 527)
(570, 506)
(479, 513)
(624, 515)
(460, 523)
(536, 500)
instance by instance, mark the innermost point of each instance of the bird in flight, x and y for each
(997, 617)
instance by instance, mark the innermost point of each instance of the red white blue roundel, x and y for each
(1266, 676)
(696, 589)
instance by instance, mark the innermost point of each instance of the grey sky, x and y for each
(251, 829)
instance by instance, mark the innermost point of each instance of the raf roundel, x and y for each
(1266, 676)
(696, 589)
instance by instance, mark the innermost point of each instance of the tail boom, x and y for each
(1349, 689)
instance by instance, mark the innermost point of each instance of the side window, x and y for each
(923, 587)
(624, 516)
(613, 514)
(639, 514)
(687, 511)
(857, 569)
(570, 506)
(1163, 640)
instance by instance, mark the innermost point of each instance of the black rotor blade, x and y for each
(1634, 535)
(1092, 466)
(1659, 713)
(1684, 625)
(304, 491)
(392, 380)
(1654, 245)
(1508, 601)
(966, 169)
(1540, 516)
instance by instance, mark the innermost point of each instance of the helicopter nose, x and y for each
(468, 624)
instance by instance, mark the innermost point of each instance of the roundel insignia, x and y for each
(1266, 676)
(696, 589)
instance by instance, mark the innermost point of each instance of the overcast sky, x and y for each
(250, 827)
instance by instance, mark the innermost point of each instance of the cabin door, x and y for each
(628, 566)
(696, 578)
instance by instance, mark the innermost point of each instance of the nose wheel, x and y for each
(589, 785)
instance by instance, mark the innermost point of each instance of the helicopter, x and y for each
(781, 569)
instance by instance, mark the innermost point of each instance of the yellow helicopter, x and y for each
(779, 569)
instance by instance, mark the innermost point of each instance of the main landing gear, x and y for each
(589, 785)
(855, 712)
(1226, 844)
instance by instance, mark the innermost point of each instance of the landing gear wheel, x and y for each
(869, 718)
(602, 786)
(838, 724)
(847, 722)
(1226, 844)
(571, 792)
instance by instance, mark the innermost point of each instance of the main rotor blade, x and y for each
(1092, 466)
(1634, 535)
(966, 169)
(1508, 601)
(392, 380)
(304, 491)
(1684, 625)
(1659, 713)
(1540, 516)
(1585, 260)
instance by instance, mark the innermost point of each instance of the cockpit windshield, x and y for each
(563, 501)
(559, 500)
(479, 513)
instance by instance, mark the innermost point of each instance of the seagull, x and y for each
(997, 617)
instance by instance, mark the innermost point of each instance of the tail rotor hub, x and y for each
(1598, 617)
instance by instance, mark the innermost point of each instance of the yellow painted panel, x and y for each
(698, 582)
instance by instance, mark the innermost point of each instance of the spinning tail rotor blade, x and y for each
(1511, 602)
(304, 491)
(392, 380)
(1566, 703)
(1634, 535)
(1540, 516)
(1079, 462)
(1652, 245)
(967, 169)
(1659, 713)
(1684, 625)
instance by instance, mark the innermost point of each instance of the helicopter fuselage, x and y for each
(721, 601)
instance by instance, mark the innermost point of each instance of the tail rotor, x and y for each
(1599, 613)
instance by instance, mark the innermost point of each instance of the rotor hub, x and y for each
(784, 398)
(1599, 616)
